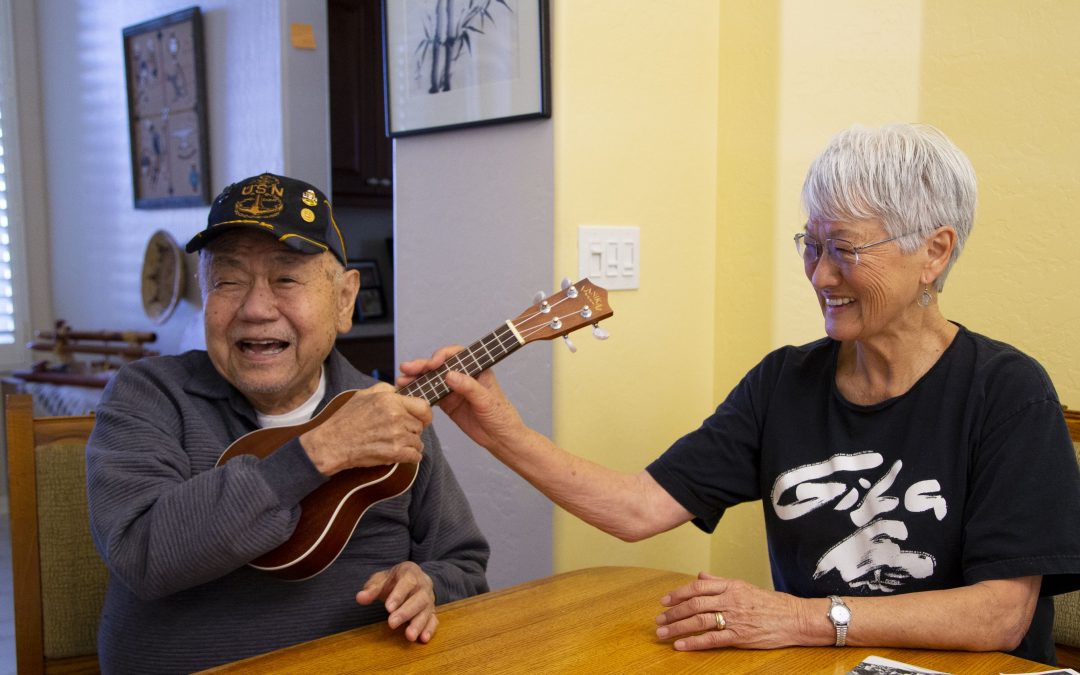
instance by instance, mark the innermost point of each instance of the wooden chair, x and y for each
(59, 579)
(1067, 606)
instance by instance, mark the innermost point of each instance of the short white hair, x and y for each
(909, 176)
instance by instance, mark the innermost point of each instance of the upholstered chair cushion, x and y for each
(73, 577)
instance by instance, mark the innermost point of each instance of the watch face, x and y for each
(840, 614)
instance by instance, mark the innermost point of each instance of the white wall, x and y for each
(474, 229)
(97, 236)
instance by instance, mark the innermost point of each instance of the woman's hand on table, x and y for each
(749, 617)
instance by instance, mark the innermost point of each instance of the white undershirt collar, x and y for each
(298, 415)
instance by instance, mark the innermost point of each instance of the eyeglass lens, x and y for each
(840, 251)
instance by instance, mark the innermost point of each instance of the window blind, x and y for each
(7, 294)
(14, 322)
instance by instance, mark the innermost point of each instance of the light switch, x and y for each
(610, 256)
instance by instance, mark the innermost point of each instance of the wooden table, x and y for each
(596, 620)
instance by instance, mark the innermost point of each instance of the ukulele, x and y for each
(330, 514)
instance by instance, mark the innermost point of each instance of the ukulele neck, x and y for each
(474, 359)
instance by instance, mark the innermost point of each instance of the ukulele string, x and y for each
(528, 332)
(551, 306)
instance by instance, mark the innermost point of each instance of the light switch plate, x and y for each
(610, 256)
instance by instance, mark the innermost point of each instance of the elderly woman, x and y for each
(917, 478)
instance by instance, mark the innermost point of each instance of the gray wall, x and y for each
(474, 229)
(305, 118)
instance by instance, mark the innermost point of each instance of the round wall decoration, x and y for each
(162, 276)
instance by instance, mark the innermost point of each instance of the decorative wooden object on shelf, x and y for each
(65, 344)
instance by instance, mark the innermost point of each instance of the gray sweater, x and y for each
(175, 531)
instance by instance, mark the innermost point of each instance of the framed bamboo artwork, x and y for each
(461, 64)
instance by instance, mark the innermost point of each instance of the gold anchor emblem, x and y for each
(261, 198)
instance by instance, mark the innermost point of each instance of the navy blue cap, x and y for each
(295, 212)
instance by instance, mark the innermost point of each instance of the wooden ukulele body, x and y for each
(330, 514)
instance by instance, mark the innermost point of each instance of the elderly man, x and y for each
(176, 529)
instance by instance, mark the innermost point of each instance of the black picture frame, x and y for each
(507, 42)
(369, 272)
(370, 304)
(166, 101)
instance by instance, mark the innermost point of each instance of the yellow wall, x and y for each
(749, 40)
(1004, 81)
(635, 144)
(697, 121)
(842, 62)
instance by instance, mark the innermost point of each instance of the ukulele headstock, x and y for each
(575, 306)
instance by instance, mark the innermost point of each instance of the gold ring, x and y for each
(720, 623)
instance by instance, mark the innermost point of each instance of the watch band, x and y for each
(841, 634)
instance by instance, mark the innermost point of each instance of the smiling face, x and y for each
(272, 315)
(879, 295)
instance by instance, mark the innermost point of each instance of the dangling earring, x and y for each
(925, 297)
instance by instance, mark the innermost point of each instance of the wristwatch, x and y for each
(840, 615)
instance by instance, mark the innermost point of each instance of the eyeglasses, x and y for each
(841, 251)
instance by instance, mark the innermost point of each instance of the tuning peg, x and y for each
(569, 344)
(571, 292)
(539, 297)
(599, 333)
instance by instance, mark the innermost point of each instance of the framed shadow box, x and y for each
(370, 301)
(166, 98)
(370, 304)
(369, 272)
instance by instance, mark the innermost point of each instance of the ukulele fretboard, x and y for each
(474, 359)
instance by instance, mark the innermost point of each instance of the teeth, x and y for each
(838, 302)
(263, 346)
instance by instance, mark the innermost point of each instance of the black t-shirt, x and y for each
(969, 476)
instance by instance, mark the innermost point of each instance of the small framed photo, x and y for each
(166, 102)
(369, 305)
(369, 273)
(450, 65)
